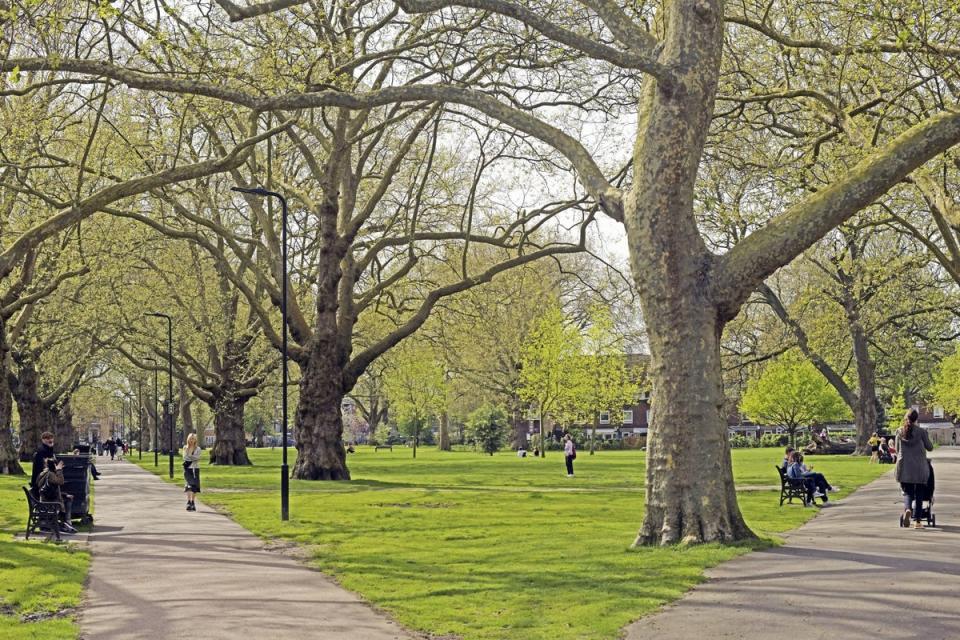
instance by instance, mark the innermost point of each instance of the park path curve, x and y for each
(851, 573)
(160, 572)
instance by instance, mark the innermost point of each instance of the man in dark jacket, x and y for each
(44, 452)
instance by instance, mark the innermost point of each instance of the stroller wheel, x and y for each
(933, 520)
(901, 521)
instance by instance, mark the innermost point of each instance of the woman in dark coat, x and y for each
(913, 470)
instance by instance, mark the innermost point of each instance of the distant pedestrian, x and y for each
(191, 470)
(913, 469)
(874, 443)
(569, 454)
(112, 448)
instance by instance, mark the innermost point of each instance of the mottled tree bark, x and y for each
(866, 410)
(691, 497)
(9, 463)
(34, 417)
(319, 422)
(61, 418)
(230, 443)
(444, 444)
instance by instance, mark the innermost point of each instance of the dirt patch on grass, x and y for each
(48, 615)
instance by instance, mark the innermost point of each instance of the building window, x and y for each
(604, 417)
(938, 412)
(628, 416)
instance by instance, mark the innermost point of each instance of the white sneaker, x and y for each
(818, 494)
(833, 489)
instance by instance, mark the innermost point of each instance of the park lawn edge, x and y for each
(315, 547)
(59, 572)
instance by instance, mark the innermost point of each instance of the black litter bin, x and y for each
(76, 476)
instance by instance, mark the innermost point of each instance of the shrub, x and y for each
(488, 428)
(740, 441)
(774, 440)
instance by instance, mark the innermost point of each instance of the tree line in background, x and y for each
(782, 173)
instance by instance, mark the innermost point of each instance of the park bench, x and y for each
(382, 446)
(43, 515)
(791, 488)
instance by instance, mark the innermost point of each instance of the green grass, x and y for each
(500, 547)
(40, 583)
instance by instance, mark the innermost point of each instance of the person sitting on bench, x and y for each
(48, 484)
(816, 483)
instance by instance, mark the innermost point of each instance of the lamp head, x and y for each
(256, 191)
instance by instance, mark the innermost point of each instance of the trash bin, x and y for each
(76, 476)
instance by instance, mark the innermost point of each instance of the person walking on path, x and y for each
(913, 469)
(569, 454)
(191, 470)
(874, 443)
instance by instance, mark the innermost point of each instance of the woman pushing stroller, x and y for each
(913, 469)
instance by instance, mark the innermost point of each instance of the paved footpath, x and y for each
(161, 572)
(851, 573)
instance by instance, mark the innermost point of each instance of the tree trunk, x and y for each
(61, 419)
(230, 443)
(319, 422)
(444, 432)
(9, 464)
(690, 490)
(593, 432)
(145, 433)
(165, 440)
(690, 494)
(543, 441)
(517, 424)
(416, 436)
(34, 417)
(258, 431)
(186, 418)
(152, 428)
(865, 412)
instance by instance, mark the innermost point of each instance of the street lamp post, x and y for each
(156, 414)
(140, 418)
(166, 407)
(284, 473)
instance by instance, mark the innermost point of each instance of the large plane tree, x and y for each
(847, 101)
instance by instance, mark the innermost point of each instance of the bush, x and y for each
(740, 441)
(774, 440)
(487, 427)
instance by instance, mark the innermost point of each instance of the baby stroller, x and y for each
(926, 503)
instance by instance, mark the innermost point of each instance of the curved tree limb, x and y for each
(609, 197)
(743, 268)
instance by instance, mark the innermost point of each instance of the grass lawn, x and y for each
(40, 583)
(500, 547)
